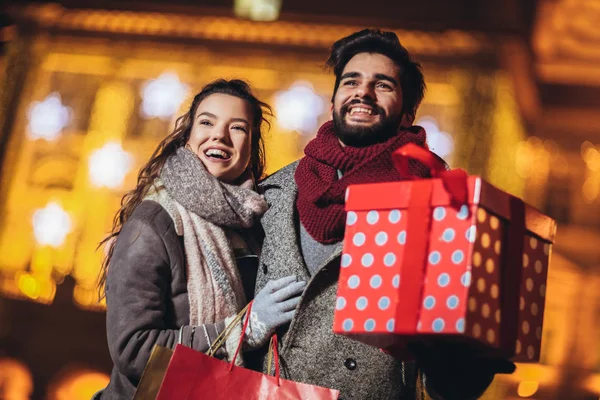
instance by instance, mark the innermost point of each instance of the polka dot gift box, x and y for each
(415, 263)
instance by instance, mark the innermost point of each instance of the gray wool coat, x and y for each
(310, 352)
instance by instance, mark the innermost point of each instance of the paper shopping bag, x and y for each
(194, 375)
(153, 373)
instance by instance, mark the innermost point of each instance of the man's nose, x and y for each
(365, 91)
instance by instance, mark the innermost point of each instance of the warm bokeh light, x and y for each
(591, 158)
(527, 388)
(78, 384)
(29, 286)
(109, 165)
(51, 225)
(48, 117)
(161, 97)
(592, 384)
(88, 298)
(257, 10)
(16, 382)
(36, 287)
(299, 108)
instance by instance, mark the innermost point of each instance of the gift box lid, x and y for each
(396, 195)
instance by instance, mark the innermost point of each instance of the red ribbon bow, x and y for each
(455, 180)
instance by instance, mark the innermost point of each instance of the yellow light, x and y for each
(585, 147)
(590, 189)
(87, 298)
(592, 383)
(257, 10)
(17, 383)
(528, 388)
(78, 384)
(592, 159)
(29, 285)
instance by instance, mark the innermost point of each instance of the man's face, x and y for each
(367, 107)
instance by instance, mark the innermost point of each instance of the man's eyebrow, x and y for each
(384, 77)
(350, 75)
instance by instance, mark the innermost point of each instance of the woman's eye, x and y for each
(241, 128)
(205, 122)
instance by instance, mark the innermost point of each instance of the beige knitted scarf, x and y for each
(204, 209)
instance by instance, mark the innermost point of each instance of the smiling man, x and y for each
(378, 88)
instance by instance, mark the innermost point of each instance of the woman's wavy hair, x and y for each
(261, 112)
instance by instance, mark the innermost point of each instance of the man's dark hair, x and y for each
(387, 44)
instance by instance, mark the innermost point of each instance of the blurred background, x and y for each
(89, 89)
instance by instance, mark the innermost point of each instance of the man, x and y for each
(377, 91)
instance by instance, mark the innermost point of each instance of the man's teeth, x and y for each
(216, 153)
(363, 110)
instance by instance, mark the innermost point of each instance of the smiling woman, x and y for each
(183, 249)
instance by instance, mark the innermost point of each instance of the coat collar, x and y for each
(281, 247)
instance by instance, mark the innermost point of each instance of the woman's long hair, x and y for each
(178, 138)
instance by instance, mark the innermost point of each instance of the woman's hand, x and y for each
(273, 306)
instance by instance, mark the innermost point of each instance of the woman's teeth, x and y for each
(216, 153)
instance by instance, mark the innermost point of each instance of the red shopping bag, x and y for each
(195, 375)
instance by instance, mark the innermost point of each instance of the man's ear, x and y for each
(407, 120)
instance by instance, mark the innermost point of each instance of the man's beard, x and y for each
(362, 136)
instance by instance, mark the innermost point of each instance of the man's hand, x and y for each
(273, 306)
(455, 371)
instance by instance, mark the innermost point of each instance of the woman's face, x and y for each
(221, 135)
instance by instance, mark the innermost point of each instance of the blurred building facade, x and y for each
(88, 93)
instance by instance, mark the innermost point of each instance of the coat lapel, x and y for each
(281, 255)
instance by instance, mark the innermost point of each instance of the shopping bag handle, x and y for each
(246, 320)
(223, 336)
(454, 180)
(273, 351)
(220, 340)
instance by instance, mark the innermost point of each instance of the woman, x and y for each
(184, 259)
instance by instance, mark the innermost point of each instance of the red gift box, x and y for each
(416, 263)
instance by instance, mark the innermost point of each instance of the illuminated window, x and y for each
(161, 97)
(257, 10)
(48, 118)
(299, 108)
(109, 165)
(51, 225)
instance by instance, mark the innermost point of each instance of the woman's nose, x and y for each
(220, 133)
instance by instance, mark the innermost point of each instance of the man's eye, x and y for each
(384, 86)
(350, 83)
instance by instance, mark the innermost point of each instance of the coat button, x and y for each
(350, 363)
(264, 268)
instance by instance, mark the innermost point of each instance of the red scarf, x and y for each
(320, 201)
